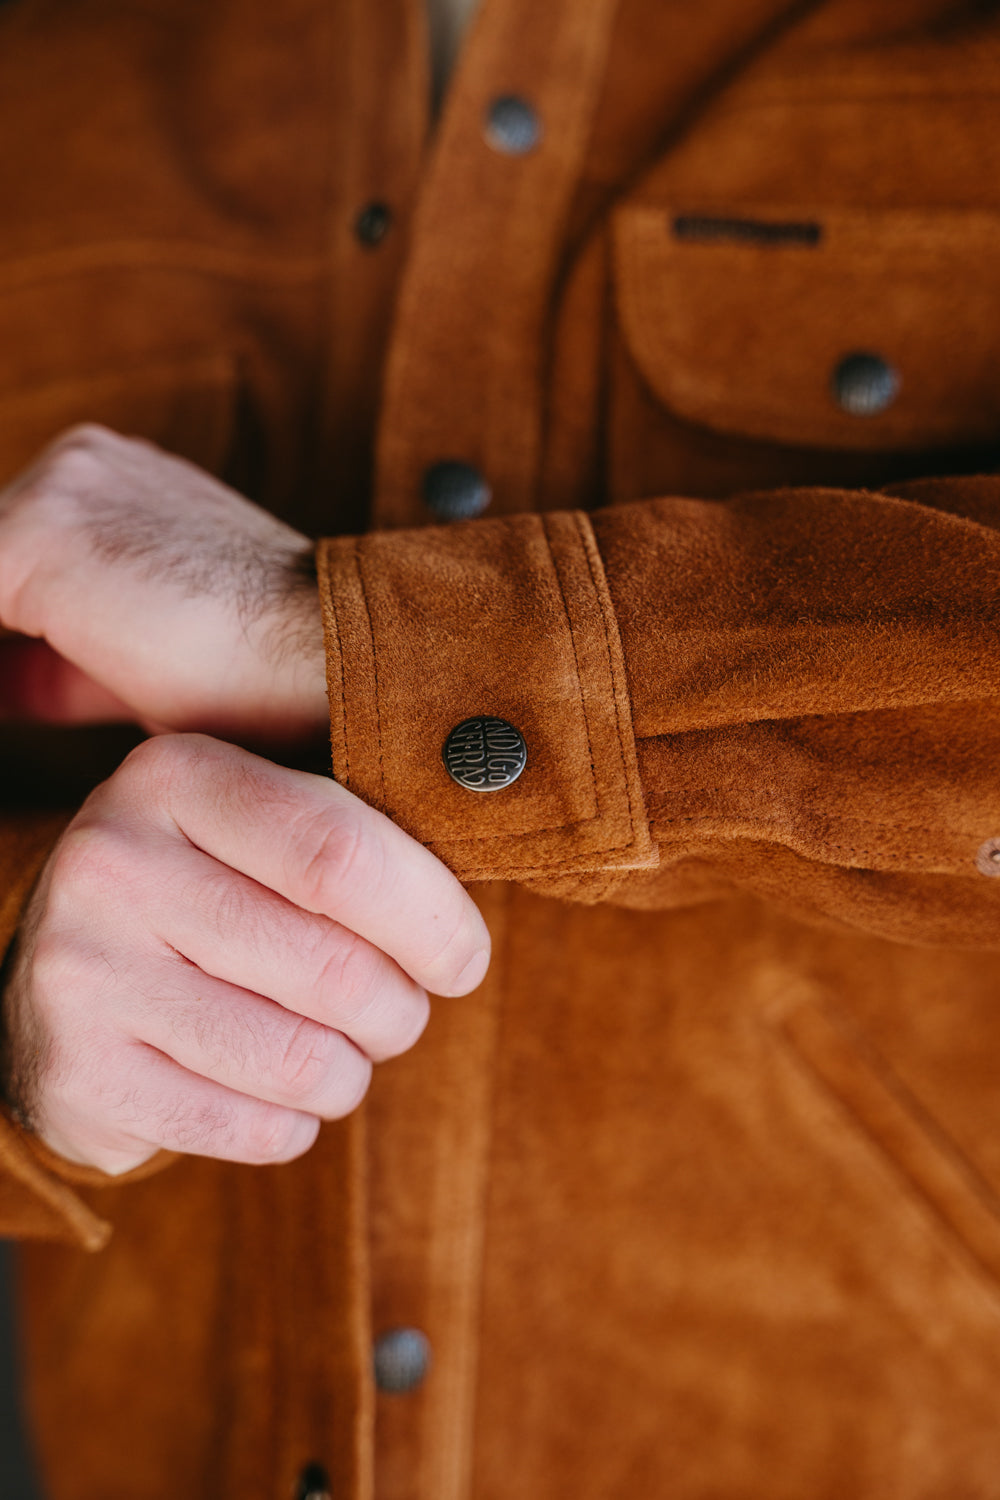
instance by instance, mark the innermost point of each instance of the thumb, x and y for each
(39, 685)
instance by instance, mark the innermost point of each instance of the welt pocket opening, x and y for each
(720, 229)
(929, 1164)
(814, 326)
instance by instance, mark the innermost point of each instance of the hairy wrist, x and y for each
(22, 1042)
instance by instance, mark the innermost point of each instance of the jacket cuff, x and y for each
(507, 618)
(34, 1203)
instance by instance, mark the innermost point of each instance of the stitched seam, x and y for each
(331, 602)
(158, 255)
(527, 872)
(343, 701)
(928, 829)
(843, 100)
(371, 632)
(955, 1159)
(814, 848)
(502, 840)
(933, 832)
(579, 520)
(576, 664)
(505, 840)
(926, 1125)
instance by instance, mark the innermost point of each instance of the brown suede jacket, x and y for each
(698, 1198)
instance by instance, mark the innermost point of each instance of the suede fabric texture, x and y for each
(699, 1194)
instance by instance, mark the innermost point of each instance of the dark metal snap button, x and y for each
(373, 223)
(484, 754)
(988, 858)
(314, 1483)
(402, 1359)
(455, 491)
(512, 126)
(864, 384)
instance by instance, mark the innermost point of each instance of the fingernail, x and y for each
(473, 974)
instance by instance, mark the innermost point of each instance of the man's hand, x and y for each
(162, 596)
(217, 952)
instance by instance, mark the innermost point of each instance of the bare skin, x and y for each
(152, 592)
(219, 948)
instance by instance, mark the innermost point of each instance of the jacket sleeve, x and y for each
(37, 1196)
(795, 694)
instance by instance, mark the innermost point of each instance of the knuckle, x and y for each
(449, 953)
(399, 1023)
(230, 904)
(202, 1127)
(90, 858)
(73, 467)
(226, 1040)
(361, 994)
(347, 976)
(85, 435)
(412, 1025)
(155, 757)
(269, 1134)
(153, 767)
(58, 488)
(62, 971)
(354, 1077)
(330, 855)
(150, 767)
(307, 1061)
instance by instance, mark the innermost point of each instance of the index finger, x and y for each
(322, 848)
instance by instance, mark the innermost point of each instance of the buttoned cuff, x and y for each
(508, 619)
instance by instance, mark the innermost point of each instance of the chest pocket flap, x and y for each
(830, 328)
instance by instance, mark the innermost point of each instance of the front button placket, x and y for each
(512, 126)
(455, 491)
(402, 1358)
(373, 224)
(314, 1484)
(463, 386)
(463, 378)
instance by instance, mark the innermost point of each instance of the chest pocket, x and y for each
(845, 331)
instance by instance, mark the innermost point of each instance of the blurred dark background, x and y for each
(17, 1481)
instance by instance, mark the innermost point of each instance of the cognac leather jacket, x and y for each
(699, 1195)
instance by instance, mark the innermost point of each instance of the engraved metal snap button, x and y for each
(988, 858)
(864, 384)
(373, 223)
(485, 755)
(402, 1359)
(314, 1483)
(512, 126)
(455, 491)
